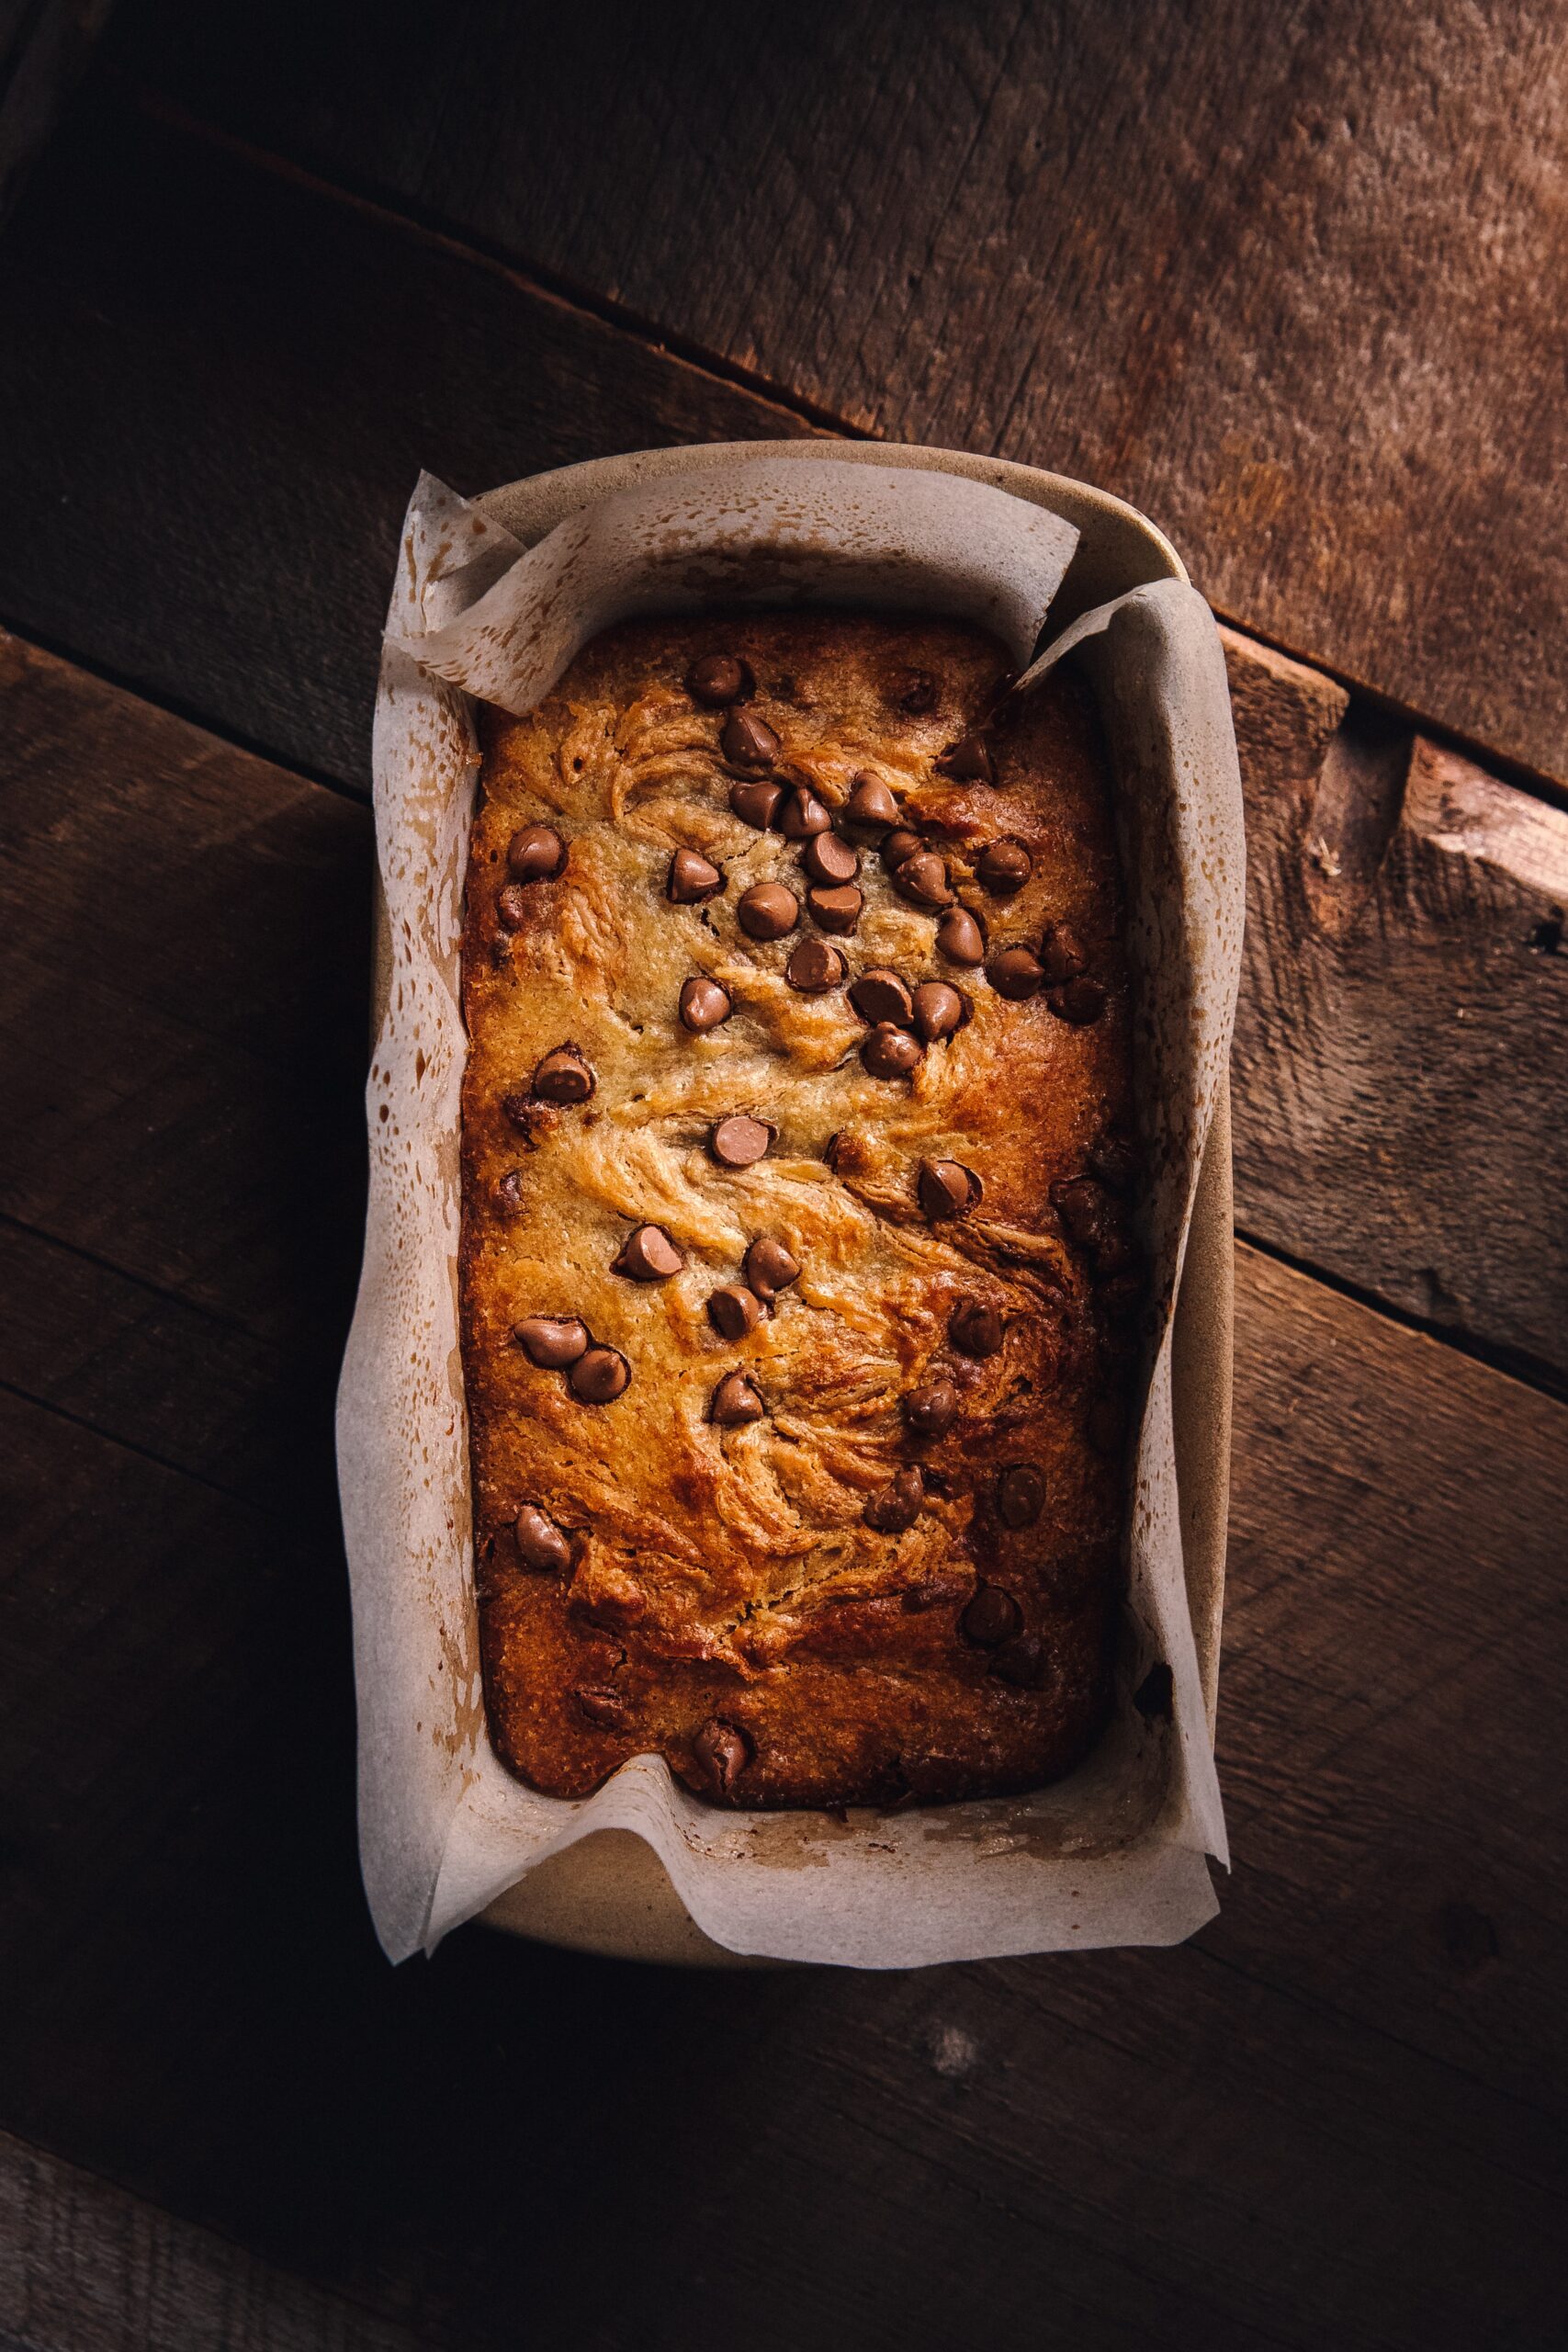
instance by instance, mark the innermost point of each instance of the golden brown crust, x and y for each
(720, 1596)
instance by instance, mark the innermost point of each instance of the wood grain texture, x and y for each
(1292, 283)
(83, 2267)
(217, 390)
(1337, 2117)
(1399, 1070)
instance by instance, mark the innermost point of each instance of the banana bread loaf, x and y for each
(797, 1281)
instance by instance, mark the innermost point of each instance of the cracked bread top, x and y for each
(798, 1289)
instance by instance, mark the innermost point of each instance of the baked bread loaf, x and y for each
(797, 1283)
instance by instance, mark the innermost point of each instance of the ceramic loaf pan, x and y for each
(609, 1894)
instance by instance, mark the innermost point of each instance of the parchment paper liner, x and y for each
(1115, 1853)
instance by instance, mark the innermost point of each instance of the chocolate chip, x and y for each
(563, 1077)
(1004, 868)
(946, 1188)
(1020, 1661)
(1078, 1002)
(803, 815)
(914, 690)
(767, 910)
(770, 1267)
(922, 878)
(891, 1053)
(991, 1618)
(899, 844)
(894, 1507)
(975, 1330)
(1156, 1694)
(837, 910)
(748, 741)
(716, 679)
(606, 1708)
(600, 1376)
(509, 1192)
(930, 1410)
(512, 907)
(549, 1342)
(756, 804)
(540, 1543)
(939, 1010)
(829, 860)
(738, 1141)
(1021, 1495)
(733, 1312)
(1086, 1209)
(1061, 957)
(1015, 973)
(648, 1255)
(703, 1004)
(536, 854)
(721, 1754)
(880, 995)
(939, 1589)
(734, 1402)
(967, 762)
(692, 878)
(871, 804)
(814, 967)
(960, 938)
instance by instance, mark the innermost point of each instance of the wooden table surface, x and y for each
(1292, 281)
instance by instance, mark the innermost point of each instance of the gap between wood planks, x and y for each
(537, 279)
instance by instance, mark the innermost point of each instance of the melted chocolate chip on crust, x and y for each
(703, 1005)
(991, 1618)
(739, 1140)
(967, 762)
(536, 854)
(880, 995)
(802, 816)
(871, 804)
(1078, 1002)
(946, 1188)
(551, 1342)
(1015, 973)
(770, 1267)
(767, 910)
(975, 1330)
(511, 907)
(960, 938)
(939, 1010)
(721, 1754)
(1061, 956)
(733, 1311)
(814, 967)
(1021, 1495)
(922, 879)
(837, 910)
(717, 679)
(600, 1376)
(563, 1077)
(1004, 868)
(692, 878)
(894, 1507)
(829, 860)
(930, 1410)
(540, 1543)
(891, 1053)
(899, 844)
(756, 804)
(734, 1402)
(648, 1255)
(748, 741)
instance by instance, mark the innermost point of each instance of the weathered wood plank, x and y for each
(1292, 282)
(1399, 1070)
(217, 390)
(83, 2267)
